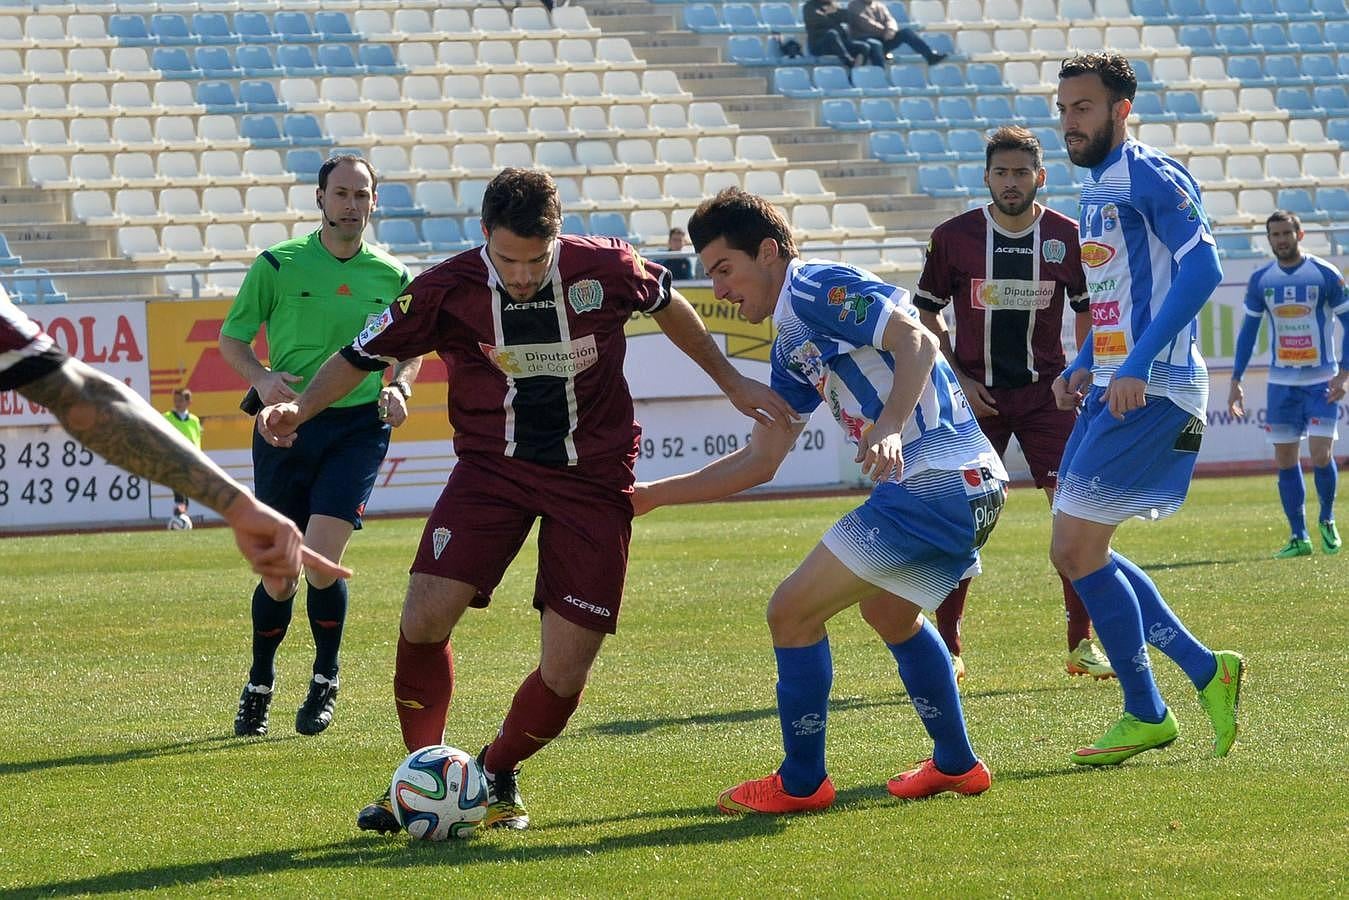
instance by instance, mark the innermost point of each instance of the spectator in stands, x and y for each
(678, 261)
(189, 426)
(827, 35)
(872, 20)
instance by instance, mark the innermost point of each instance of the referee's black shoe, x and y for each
(254, 703)
(316, 713)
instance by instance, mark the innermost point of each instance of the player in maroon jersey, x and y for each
(115, 422)
(1005, 268)
(530, 326)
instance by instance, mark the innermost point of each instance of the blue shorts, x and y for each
(916, 538)
(1113, 470)
(1294, 411)
(329, 471)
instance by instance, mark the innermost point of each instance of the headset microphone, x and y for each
(331, 223)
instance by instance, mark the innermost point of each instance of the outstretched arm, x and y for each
(685, 329)
(113, 421)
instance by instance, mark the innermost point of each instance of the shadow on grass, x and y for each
(838, 705)
(1194, 563)
(368, 852)
(179, 748)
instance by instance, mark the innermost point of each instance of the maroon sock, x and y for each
(537, 715)
(423, 682)
(1079, 620)
(949, 614)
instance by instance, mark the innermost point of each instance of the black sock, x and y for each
(270, 621)
(327, 614)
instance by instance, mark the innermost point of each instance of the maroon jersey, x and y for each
(1007, 293)
(26, 353)
(542, 379)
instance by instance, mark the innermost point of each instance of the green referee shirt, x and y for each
(314, 304)
(190, 427)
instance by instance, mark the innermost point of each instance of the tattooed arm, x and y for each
(113, 421)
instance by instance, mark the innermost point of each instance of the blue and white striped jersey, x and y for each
(830, 319)
(1301, 304)
(1140, 214)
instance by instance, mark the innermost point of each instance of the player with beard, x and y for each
(531, 328)
(1151, 265)
(1004, 269)
(1301, 294)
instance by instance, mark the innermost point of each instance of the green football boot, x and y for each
(1330, 538)
(1129, 737)
(1220, 698)
(1296, 547)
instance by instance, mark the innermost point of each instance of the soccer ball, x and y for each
(180, 522)
(439, 792)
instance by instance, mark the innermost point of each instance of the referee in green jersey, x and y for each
(315, 294)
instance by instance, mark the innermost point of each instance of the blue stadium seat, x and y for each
(1335, 202)
(259, 96)
(899, 10)
(834, 81)
(840, 113)
(401, 235)
(1143, 72)
(967, 144)
(1149, 109)
(1154, 11)
(1298, 102)
(305, 163)
(911, 80)
(297, 61)
(1332, 98)
(7, 256)
(1051, 141)
(986, 78)
(929, 144)
(1061, 178)
(444, 234)
(1034, 109)
(169, 29)
(1186, 106)
(1333, 10)
(939, 181)
(294, 27)
(1236, 245)
(337, 59)
(255, 28)
(262, 131)
(215, 62)
(378, 59)
(1263, 11)
(783, 18)
(919, 111)
(959, 113)
(747, 50)
(1197, 37)
(303, 130)
(572, 223)
(333, 25)
(743, 18)
(1338, 130)
(873, 82)
(218, 97)
(949, 81)
(996, 108)
(34, 285)
(794, 81)
(256, 61)
(703, 18)
(1306, 37)
(213, 28)
(174, 62)
(889, 146)
(473, 228)
(1225, 10)
(1233, 38)
(395, 200)
(1248, 70)
(130, 30)
(1299, 200)
(970, 176)
(1190, 11)
(880, 112)
(1270, 37)
(1320, 67)
(1298, 9)
(609, 224)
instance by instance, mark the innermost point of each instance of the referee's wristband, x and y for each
(403, 388)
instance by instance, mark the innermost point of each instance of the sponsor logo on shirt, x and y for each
(1010, 293)
(855, 304)
(1053, 250)
(1290, 292)
(343, 290)
(588, 607)
(1105, 314)
(1296, 311)
(1011, 248)
(1095, 254)
(585, 296)
(1187, 204)
(1313, 293)
(373, 328)
(807, 361)
(1100, 287)
(564, 359)
(1109, 344)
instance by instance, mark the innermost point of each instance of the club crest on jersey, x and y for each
(1095, 254)
(1053, 250)
(1109, 216)
(440, 539)
(585, 296)
(837, 295)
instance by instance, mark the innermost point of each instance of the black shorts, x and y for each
(329, 471)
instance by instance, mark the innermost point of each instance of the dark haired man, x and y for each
(854, 343)
(531, 326)
(1004, 269)
(315, 293)
(1151, 265)
(1301, 295)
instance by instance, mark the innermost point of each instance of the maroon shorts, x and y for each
(1040, 427)
(488, 508)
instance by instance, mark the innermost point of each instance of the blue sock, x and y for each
(1119, 626)
(805, 675)
(1292, 492)
(925, 669)
(1327, 479)
(1164, 630)
(270, 621)
(327, 615)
